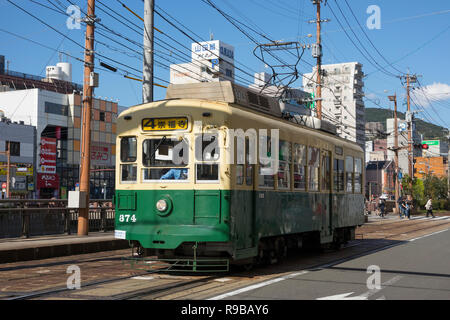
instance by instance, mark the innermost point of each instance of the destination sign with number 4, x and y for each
(164, 124)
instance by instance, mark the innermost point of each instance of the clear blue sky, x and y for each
(414, 33)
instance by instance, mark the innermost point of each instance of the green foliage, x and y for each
(422, 190)
(428, 130)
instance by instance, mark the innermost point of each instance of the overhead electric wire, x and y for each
(372, 60)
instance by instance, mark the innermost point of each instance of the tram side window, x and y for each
(313, 165)
(128, 172)
(128, 152)
(284, 172)
(338, 175)
(240, 161)
(300, 156)
(349, 173)
(173, 155)
(266, 175)
(207, 156)
(250, 159)
(358, 175)
(326, 171)
(128, 149)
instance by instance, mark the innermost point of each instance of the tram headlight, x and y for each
(161, 205)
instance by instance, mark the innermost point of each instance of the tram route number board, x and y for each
(164, 124)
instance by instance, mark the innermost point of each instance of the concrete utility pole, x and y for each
(147, 85)
(410, 142)
(394, 98)
(88, 91)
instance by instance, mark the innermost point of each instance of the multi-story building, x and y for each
(21, 141)
(342, 92)
(211, 61)
(56, 115)
(435, 166)
(374, 130)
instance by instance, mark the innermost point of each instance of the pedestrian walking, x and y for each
(429, 207)
(382, 207)
(400, 202)
(408, 206)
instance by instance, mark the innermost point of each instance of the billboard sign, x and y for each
(47, 156)
(47, 180)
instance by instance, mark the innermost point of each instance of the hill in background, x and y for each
(428, 130)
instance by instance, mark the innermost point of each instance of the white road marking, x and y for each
(258, 285)
(223, 279)
(143, 278)
(427, 235)
(342, 296)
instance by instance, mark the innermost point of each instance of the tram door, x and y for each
(326, 191)
(245, 192)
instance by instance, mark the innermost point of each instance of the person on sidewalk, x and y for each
(382, 207)
(408, 206)
(401, 208)
(429, 207)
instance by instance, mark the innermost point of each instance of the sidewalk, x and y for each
(42, 247)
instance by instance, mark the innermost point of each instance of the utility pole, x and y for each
(147, 84)
(394, 98)
(88, 91)
(317, 53)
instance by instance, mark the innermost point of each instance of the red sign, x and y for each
(47, 180)
(100, 155)
(4, 185)
(48, 155)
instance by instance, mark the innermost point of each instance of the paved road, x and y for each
(415, 269)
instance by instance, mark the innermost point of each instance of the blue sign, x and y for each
(214, 62)
(400, 175)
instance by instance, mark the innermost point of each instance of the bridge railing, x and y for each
(26, 218)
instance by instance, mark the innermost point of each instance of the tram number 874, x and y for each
(127, 218)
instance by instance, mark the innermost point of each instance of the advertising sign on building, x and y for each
(47, 157)
(48, 180)
(213, 50)
(100, 155)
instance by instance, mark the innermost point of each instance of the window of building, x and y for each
(102, 116)
(300, 167)
(313, 166)
(15, 148)
(55, 108)
(228, 73)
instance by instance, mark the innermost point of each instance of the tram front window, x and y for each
(167, 159)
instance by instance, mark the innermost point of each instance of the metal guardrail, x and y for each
(26, 218)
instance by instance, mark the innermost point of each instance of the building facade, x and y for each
(342, 92)
(57, 119)
(21, 141)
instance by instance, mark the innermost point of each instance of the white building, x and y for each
(211, 61)
(57, 118)
(342, 92)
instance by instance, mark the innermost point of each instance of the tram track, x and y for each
(166, 286)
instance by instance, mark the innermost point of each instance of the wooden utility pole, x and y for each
(88, 91)
(319, 64)
(410, 142)
(394, 98)
(317, 53)
(147, 84)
